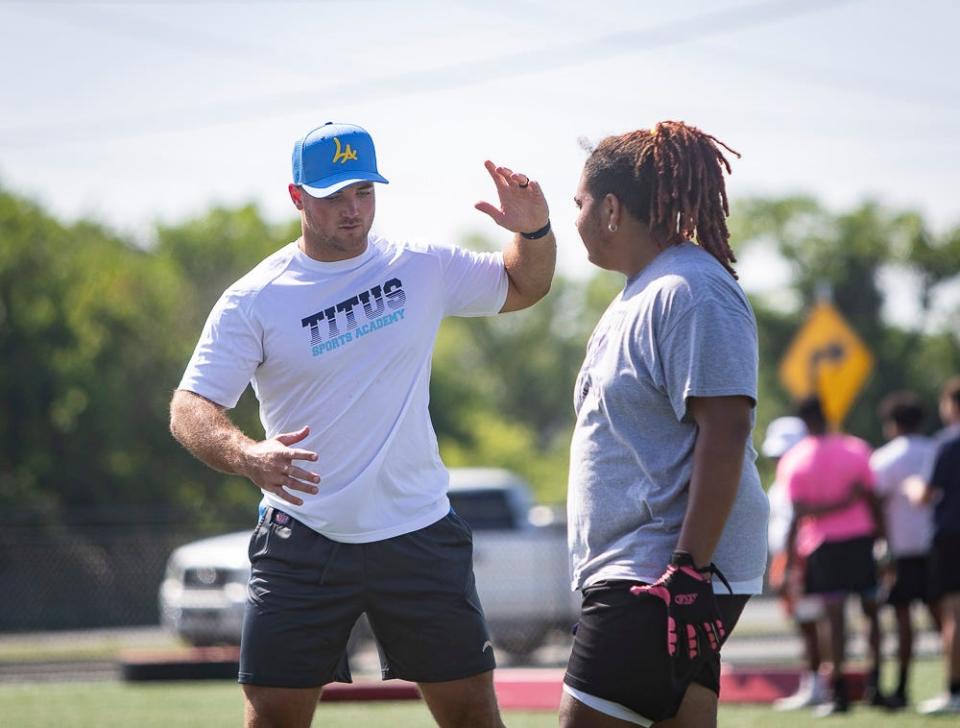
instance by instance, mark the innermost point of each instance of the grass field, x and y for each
(216, 704)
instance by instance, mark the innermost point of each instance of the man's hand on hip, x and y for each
(269, 464)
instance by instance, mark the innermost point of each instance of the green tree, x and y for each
(845, 253)
(208, 253)
(81, 348)
(502, 386)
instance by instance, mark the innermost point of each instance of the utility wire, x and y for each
(109, 20)
(456, 75)
(914, 90)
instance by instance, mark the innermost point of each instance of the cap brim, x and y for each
(773, 448)
(335, 185)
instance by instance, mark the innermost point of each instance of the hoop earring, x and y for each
(612, 228)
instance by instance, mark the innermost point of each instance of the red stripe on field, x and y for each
(541, 689)
(517, 688)
(362, 690)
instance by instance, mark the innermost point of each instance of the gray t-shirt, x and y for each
(681, 328)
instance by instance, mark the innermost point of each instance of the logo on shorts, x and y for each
(486, 644)
(281, 524)
(685, 600)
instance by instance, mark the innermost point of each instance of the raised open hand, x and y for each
(523, 208)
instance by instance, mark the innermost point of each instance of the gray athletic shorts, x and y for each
(306, 592)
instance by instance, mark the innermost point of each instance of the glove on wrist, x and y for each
(692, 613)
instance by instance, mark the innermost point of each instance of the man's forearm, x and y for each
(204, 429)
(530, 265)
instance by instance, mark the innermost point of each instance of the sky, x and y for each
(136, 112)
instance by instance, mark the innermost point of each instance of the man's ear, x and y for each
(296, 194)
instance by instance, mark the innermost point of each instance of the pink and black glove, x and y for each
(691, 606)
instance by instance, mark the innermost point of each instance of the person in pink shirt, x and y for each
(836, 519)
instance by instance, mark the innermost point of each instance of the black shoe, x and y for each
(873, 696)
(895, 701)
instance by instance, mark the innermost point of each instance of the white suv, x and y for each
(519, 553)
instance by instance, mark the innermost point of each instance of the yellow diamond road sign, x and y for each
(826, 357)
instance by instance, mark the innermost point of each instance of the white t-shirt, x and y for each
(781, 516)
(345, 347)
(909, 526)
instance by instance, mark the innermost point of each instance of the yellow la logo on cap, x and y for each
(345, 155)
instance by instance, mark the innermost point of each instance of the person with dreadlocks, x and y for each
(665, 503)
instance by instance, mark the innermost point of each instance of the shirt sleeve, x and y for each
(787, 474)
(944, 465)
(781, 515)
(474, 284)
(931, 460)
(863, 451)
(884, 480)
(711, 351)
(228, 353)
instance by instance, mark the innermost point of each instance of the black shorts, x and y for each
(306, 592)
(945, 556)
(842, 567)
(913, 582)
(620, 651)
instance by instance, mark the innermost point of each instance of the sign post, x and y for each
(828, 359)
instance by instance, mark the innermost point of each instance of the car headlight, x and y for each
(235, 592)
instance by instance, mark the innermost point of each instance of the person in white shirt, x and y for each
(335, 333)
(909, 524)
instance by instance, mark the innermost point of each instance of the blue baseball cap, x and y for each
(333, 156)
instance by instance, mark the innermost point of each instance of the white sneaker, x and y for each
(940, 705)
(821, 689)
(811, 691)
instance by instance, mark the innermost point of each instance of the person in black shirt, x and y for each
(943, 490)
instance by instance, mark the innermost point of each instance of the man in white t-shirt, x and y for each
(335, 333)
(909, 524)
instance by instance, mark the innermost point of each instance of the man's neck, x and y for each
(328, 251)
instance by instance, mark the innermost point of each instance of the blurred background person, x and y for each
(835, 522)
(942, 489)
(949, 411)
(802, 609)
(909, 523)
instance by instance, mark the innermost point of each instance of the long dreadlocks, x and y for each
(672, 178)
